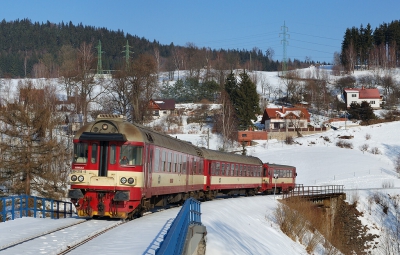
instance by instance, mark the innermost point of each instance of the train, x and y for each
(122, 169)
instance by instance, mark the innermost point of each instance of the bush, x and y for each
(387, 184)
(326, 139)
(375, 150)
(367, 136)
(344, 144)
(364, 147)
(289, 140)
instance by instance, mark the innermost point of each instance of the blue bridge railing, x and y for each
(29, 206)
(174, 240)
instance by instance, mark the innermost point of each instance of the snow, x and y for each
(246, 225)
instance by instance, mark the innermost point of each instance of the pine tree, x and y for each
(34, 159)
(244, 98)
(366, 112)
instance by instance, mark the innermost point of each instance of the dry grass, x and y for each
(344, 144)
(302, 220)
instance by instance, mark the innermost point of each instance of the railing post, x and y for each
(21, 208)
(3, 209)
(43, 208)
(26, 206)
(12, 208)
(34, 206)
(52, 209)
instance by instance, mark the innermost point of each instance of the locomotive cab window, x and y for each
(131, 155)
(80, 152)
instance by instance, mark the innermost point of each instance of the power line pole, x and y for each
(284, 28)
(99, 63)
(127, 52)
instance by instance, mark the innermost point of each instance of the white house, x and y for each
(372, 96)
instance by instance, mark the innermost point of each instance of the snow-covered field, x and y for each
(246, 225)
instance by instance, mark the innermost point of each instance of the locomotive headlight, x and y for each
(81, 178)
(131, 180)
(123, 180)
(104, 127)
(74, 178)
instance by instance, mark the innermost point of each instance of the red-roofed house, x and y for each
(162, 107)
(290, 118)
(372, 96)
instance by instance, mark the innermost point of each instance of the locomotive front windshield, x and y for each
(80, 152)
(131, 155)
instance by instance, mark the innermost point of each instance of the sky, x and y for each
(315, 29)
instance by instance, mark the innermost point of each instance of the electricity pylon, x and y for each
(99, 63)
(127, 52)
(284, 42)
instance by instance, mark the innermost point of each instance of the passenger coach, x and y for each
(121, 169)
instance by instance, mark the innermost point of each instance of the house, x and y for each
(372, 96)
(284, 117)
(162, 107)
(246, 137)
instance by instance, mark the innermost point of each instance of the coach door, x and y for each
(103, 162)
(148, 170)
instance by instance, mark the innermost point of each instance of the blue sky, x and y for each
(315, 28)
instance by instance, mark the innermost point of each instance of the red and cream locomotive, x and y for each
(121, 170)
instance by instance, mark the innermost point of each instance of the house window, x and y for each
(353, 102)
(353, 95)
(156, 113)
(372, 102)
(244, 135)
(164, 112)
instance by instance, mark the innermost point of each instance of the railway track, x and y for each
(74, 246)
(4, 247)
(49, 241)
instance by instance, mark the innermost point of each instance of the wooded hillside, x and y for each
(33, 49)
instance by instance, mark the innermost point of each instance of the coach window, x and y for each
(237, 170)
(132, 153)
(194, 165)
(213, 168)
(180, 163)
(228, 169)
(176, 163)
(157, 160)
(201, 169)
(113, 154)
(163, 159)
(232, 169)
(184, 164)
(169, 162)
(217, 169)
(223, 169)
(80, 152)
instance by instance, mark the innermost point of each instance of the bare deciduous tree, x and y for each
(225, 121)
